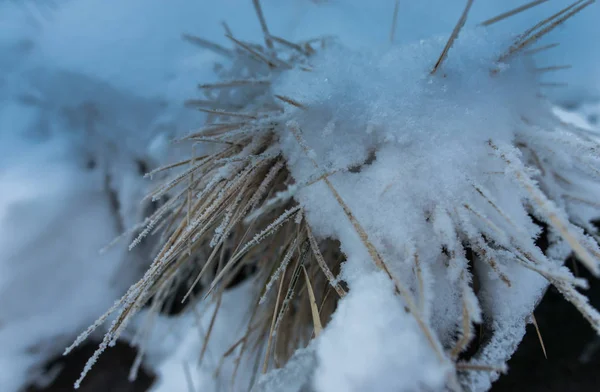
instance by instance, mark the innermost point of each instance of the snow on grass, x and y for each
(430, 176)
(372, 343)
(408, 154)
(425, 151)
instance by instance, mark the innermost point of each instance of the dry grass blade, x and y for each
(313, 304)
(201, 139)
(394, 20)
(207, 45)
(466, 335)
(164, 188)
(142, 334)
(244, 343)
(541, 48)
(270, 62)
(212, 104)
(210, 327)
(262, 189)
(290, 101)
(495, 206)
(98, 322)
(171, 166)
(263, 24)
(541, 23)
(553, 84)
(552, 68)
(580, 302)
(273, 227)
(235, 83)
(485, 220)
(582, 200)
(226, 114)
(357, 226)
(322, 264)
(512, 12)
(273, 319)
(278, 273)
(453, 36)
(213, 130)
(283, 197)
(480, 368)
(550, 274)
(484, 252)
(212, 256)
(226, 28)
(292, 285)
(420, 282)
(289, 44)
(545, 207)
(539, 335)
(528, 38)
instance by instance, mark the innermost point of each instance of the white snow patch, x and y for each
(370, 338)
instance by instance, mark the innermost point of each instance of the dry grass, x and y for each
(459, 25)
(231, 210)
(544, 27)
(512, 12)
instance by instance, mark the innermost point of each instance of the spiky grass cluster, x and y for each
(234, 208)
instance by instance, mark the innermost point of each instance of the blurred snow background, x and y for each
(90, 92)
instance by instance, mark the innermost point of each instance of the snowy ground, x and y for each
(91, 90)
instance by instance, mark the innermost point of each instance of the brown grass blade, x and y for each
(234, 83)
(537, 330)
(290, 101)
(313, 305)
(552, 68)
(224, 113)
(467, 333)
(263, 24)
(541, 48)
(289, 44)
(394, 20)
(273, 227)
(322, 264)
(559, 224)
(528, 39)
(270, 62)
(512, 12)
(207, 45)
(453, 36)
(480, 368)
(275, 308)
